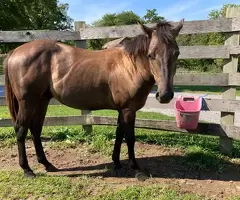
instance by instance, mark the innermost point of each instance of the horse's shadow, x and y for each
(168, 167)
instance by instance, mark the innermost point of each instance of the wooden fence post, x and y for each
(83, 44)
(229, 93)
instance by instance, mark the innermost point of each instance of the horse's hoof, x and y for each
(141, 176)
(119, 172)
(51, 168)
(29, 174)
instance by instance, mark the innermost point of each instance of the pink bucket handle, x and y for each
(190, 98)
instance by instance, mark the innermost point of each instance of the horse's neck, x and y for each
(143, 73)
(142, 65)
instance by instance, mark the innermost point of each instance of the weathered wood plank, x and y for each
(189, 27)
(3, 101)
(168, 125)
(3, 55)
(2, 80)
(83, 44)
(187, 52)
(215, 79)
(211, 104)
(29, 35)
(216, 51)
(234, 50)
(218, 79)
(229, 93)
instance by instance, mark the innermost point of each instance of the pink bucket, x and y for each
(187, 111)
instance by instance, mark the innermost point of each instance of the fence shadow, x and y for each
(191, 167)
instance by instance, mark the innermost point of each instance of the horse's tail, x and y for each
(11, 99)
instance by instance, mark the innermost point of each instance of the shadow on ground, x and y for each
(179, 167)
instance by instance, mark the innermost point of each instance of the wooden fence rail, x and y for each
(168, 125)
(202, 26)
(200, 52)
(214, 79)
(229, 79)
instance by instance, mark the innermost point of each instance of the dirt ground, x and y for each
(157, 161)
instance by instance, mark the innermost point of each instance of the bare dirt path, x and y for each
(162, 163)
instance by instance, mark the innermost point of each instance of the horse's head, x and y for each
(163, 52)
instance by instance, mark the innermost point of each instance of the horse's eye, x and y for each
(176, 53)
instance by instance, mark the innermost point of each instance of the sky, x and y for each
(172, 10)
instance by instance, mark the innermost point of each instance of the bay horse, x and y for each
(118, 78)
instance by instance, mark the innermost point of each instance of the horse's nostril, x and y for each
(150, 55)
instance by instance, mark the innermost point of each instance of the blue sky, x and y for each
(173, 10)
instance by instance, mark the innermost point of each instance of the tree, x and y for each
(214, 14)
(152, 17)
(123, 18)
(35, 14)
(205, 39)
(32, 15)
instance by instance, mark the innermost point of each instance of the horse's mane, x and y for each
(140, 43)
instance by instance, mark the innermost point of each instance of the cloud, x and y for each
(173, 12)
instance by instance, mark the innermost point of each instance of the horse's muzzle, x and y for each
(164, 97)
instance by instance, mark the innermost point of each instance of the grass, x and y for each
(102, 136)
(201, 153)
(54, 187)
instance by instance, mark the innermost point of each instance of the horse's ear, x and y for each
(145, 29)
(178, 28)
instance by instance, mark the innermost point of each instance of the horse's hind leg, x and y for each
(36, 130)
(21, 128)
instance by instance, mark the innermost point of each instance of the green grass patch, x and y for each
(47, 187)
(150, 192)
(62, 187)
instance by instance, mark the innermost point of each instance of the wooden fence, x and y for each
(229, 79)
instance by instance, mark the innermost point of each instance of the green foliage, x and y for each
(32, 15)
(205, 65)
(151, 16)
(35, 14)
(123, 18)
(214, 14)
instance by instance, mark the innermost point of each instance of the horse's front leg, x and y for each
(128, 127)
(117, 148)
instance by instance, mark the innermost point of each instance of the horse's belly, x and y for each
(87, 99)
